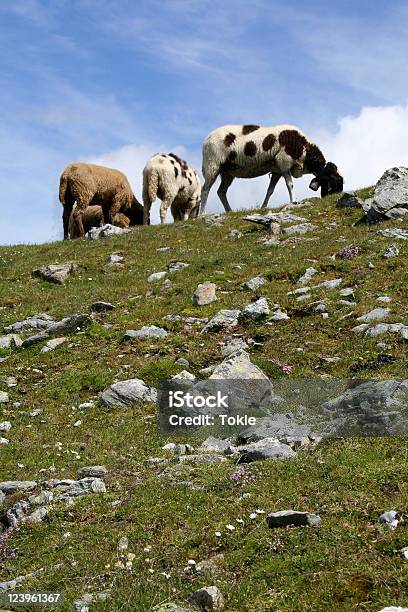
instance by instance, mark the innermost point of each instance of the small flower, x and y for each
(218, 534)
(230, 527)
(191, 562)
(253, 515)
(240, 521)
(259, 511)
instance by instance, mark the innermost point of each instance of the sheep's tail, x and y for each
(211, 159)
(150, 186)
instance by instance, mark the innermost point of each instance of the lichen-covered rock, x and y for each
(96, 233)
(147, 331)
(224, 319)
(127, 392)
(256, 310)
(390, 198)
(204, 294)
(55, 273)
(238, 366)
(292, 518)
(254, 283)
(267, 448)
(208, 598)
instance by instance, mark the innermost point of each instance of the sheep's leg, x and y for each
(208, 183)
(226, 180)
(271, 188)
(77, 216)
(289, 184)
(65, 220)
(164, 206)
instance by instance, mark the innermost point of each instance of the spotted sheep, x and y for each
(247, 151)
(175, 183)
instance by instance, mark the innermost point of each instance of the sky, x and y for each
(115, 81)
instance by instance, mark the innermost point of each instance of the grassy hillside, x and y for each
(350, 563)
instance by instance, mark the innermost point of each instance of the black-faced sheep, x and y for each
(329, 180)
(88, 184)
(175, 183)
(247, 151)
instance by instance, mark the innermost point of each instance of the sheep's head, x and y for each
(329, 180)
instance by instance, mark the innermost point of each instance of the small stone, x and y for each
(391, 251)
(394, 233)
(346, 303)
(207, 598)
(346, 292)
(52, 344)
(204, 294)
(349, 200)
(268, 448)
(10, 340)
(182, 362)
(96, 471)
(97, 233)
(390, 519)
(214, 445)
(12, 486)
(55, 273)
(329, 284)
(254, 283)
(184, 375)
(147, 331)
(5, 426)
(299, 229)
(38, 515)
(377, 314)
(292, 518)
(176, 266)
(224, 319)
(279, 315)
(102, 306)
(321, 307)
(235, 234)
(4, 397)
(202, 459)
(156, 276)
(384, 298)
(257, 310)
(237, 366)
(115, 258)
(304, 280)
(86, 405)
(232, 345)
(370, 265)
(4, 441)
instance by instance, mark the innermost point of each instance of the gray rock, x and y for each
(96, 233)
(377, 314)
(391, 251)
(279, 315)
(182, 362)
(321, 307)
(299, 229)
(2, 498)
(299, 291)
(224, 319)
(147, 331)
(115, 258)
(292, 518)
(204, 294)
(214, 445)
(207, 598)
(40, 321)
(384, 328)
(127, 392)
(95, 471)
(36, 339)
(279, 217)
(77, 488)
(257, 310)
(390, 194)
(389, 518)
(176, 266)
(4, 397)
(68, 325)
(10, 585)
(82, 604)
(4, 441)
(201, 459)
(304, 280)
(394, 609)
(394, 233)
(279, 426)
(238, 366)
(38, 515)
(42, 498)
(155, 461)
(186, 320)
(232, 345)
(329, 284)
(102, 306)
(267, 448)
(184, 375)
(346, 303)
(302, 298)
(51, 344)
(10, 340)
(156, 276)
(254, 283)
(346, 292)
(234, 234)
(214, 220)
(349, 200)
(5, 426)
(360, 328)
(55, 273)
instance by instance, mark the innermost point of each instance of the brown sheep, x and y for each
(93, 217)
(88, 184)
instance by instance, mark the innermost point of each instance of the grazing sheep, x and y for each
(175, 183)
(93, 217)
(247, 151)
(88, 184)
(329, 180)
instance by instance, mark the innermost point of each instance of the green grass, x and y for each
(350, 563)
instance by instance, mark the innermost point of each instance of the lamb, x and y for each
(88, 184)
(247, 151)
(93, 217)
(175, 183)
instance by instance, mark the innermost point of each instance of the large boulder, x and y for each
(390, 198)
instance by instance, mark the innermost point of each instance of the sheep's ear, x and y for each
(314, 184)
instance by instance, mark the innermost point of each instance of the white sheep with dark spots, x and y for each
(247, 151)
(175, 183)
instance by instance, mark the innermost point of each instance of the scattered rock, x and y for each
(310, 272)
(377, 314)
(5, 426)
(40, 321)
(267, 448)
(299, 229)
(383, 328)
(279, 315)
(235, 234)
(321, 307)
(207, 598)
(238, 366)
(292, 518)
(256, 310)
(394, 233)
(10, 340)
(390, 519)
(176, 266)
(279, 217)
(68, 325)
(10, 585)
(232, 345)
(204, 294)
(12, 486)
(147, 331)
(4, 397)
(390, 198)
(115, 258)
(66, 489)
(224, 319)
(214, 445)
(127, 392)
(52, 344)
(182, 362)
(38, 515)
(349, 200)
(346, 292)
(214, 220)
(94, 471)
(329, 284)
(202, 459)
(169, 607)
(384, 298)
(391, 251)
(156, 276)
(2, 498)
(184, 375)
(254, 283)
(55, 273)
(186, 320)
(96, 233)
(102, 306)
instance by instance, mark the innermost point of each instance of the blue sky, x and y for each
(116, 81)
